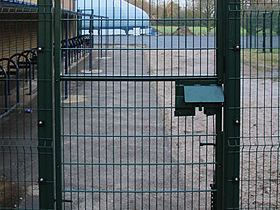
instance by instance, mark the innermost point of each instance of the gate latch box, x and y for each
(190, 96)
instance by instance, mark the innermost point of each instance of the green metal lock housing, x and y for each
(191, 94)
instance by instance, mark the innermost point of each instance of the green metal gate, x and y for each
(129, 132)
(140, 104)
(149, 118)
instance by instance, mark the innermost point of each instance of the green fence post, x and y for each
(232, 105)
(57, 97)
(228, 64)
(45, 104)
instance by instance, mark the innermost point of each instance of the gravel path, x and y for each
(259, 149)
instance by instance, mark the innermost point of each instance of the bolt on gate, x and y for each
(141, 104)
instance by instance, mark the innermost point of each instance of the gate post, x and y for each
(45, 104)
(57, 97)
(229, 31)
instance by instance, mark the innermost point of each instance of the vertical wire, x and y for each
(206, 155)
(257, 107)
(142, 113)
(186, 16)
(271, 114)
(127, 106)
(278, 105)
(157, 101)
(63, 129)
(192, 160)
(106, 112)
(178, 121)
(135, 120)
(113, 104)
(164, 106)
(99, 46)
(149, 109)
(171, 133)
(120, 119)
(194, 36)
(264, 118)
(208, 16)
(200, 37)
(249, 120)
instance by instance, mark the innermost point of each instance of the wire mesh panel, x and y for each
(122, 145)
(18, 106)
(259, 144)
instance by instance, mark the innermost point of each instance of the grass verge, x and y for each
(260, 60)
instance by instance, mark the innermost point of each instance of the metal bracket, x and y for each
(236, 47)
(41, 181)
(235, 180)
(41, 123)
(207, 144)
(40, 49)
(213, 197)
(236, 122)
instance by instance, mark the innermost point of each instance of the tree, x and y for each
(172, 10)
(206, 10)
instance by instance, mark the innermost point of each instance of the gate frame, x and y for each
(228, 74)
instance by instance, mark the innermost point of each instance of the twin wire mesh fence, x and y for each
(18, 106)
(119, 69)
(259, 140)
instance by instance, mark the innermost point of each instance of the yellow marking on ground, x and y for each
(73, 99)
(94, 71)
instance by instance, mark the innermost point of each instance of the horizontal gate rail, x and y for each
(139, 164)
(82, 77)
(144, 191)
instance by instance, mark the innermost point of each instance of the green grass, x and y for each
(201, 31)
(166, 30)
(267, 31)
(243, 31)
(259, 33)
(196, 30)
(259, 60)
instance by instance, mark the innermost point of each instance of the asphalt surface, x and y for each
(185, 42)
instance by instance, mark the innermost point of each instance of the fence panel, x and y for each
(259, 141)
(19, 187)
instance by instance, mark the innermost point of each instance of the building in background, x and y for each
(18, 25)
